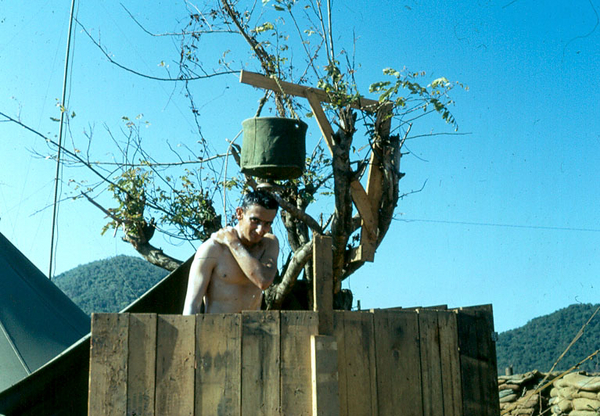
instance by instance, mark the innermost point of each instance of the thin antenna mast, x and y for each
(63, 109)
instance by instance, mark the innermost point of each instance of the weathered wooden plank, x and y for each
(478, 366)
(260, 363)
(261, 81)
(374, 190)
(469, 364)
(219, 364)
(324, 363)
(175, 365)
(487, 357)
(367, 213)
(398, 363)
(321, 117)
(323, 282)
(296, 330)
(340, 335)
(108, 364)
(450, 361)
(431, 371)
(141, 364)
(356, 363)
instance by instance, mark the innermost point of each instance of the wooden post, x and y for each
(323, 282)
(323, 347)
(325, 390)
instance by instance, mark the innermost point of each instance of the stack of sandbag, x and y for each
(576, 394)
(516, 394)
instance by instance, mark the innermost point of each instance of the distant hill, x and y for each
(538, 344)
(109, 285)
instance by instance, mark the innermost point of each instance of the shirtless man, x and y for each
(232, 268)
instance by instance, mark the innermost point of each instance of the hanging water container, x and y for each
(273, 147)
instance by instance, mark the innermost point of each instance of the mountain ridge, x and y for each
(109, 285)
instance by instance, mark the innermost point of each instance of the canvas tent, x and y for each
(37, 320)
(60, 388)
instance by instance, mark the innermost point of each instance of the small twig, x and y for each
(192, 33)
(133, 71)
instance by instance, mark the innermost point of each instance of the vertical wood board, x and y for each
(338, 332)
(175, 365)
(487, 359)
(356, 363)
(219, 364)
(398, 363)
(108, 364)
(478, 369)
(450, 363)
(141, 364)
(261, 363)
(431, 371)
(470, 370)
(296, 330)
(325, 393)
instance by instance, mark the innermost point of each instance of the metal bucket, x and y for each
(273, 147)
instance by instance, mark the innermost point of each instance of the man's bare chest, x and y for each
(228, 270)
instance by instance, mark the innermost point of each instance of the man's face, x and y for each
(254, 222)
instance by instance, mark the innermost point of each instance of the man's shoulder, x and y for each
(210, 247)
(270, 240)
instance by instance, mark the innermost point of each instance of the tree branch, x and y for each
(281, 290)
(133, 71)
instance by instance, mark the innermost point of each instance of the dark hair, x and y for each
(262, 198)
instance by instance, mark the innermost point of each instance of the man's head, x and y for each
(255, 216)
(262, 198)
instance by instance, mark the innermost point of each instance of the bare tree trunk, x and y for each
(341, 227)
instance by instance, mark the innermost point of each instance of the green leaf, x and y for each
(264, 27)
(440, 82)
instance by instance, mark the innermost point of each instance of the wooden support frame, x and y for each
(366, 202)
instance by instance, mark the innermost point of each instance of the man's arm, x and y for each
(259, 271)
(201, 271)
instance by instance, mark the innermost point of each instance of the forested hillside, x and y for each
(539, 343)
(109, 285)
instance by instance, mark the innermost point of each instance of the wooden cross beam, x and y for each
(366, 202)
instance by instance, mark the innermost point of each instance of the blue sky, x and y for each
(508, 214)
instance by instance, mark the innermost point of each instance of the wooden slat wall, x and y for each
(259, 363)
